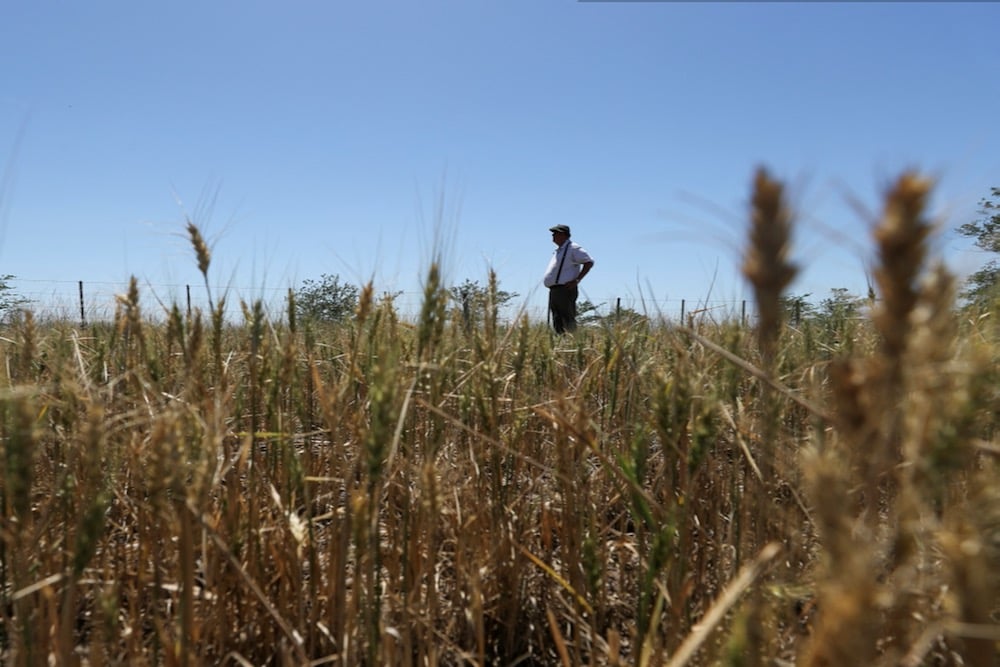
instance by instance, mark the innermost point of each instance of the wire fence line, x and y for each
(98, 301)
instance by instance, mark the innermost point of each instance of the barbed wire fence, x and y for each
(88, 302)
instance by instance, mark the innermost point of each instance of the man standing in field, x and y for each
(569, 264)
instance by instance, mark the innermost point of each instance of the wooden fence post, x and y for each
(83, 317)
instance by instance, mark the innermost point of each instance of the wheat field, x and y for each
(187, 490)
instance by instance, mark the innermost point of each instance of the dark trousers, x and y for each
(562, 307)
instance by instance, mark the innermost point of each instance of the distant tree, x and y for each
(586, 312)
(839, 306)
(797, 307)
(10, 301)
(629, 316)
(842, 305)
(981, 287)
(474, 299)
(326, 299)
(618, 315)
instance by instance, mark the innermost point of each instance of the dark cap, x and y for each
(562, 229)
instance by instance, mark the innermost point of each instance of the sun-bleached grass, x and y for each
(382, 491)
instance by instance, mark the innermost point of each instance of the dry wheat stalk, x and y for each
(766, 262)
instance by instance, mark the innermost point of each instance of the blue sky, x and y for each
(359, 138)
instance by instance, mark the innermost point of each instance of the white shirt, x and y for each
(575, 258)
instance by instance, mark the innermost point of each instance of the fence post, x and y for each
(618, 308)
(743, 312)
(83, 318)
(682, 312)
(188, 288)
